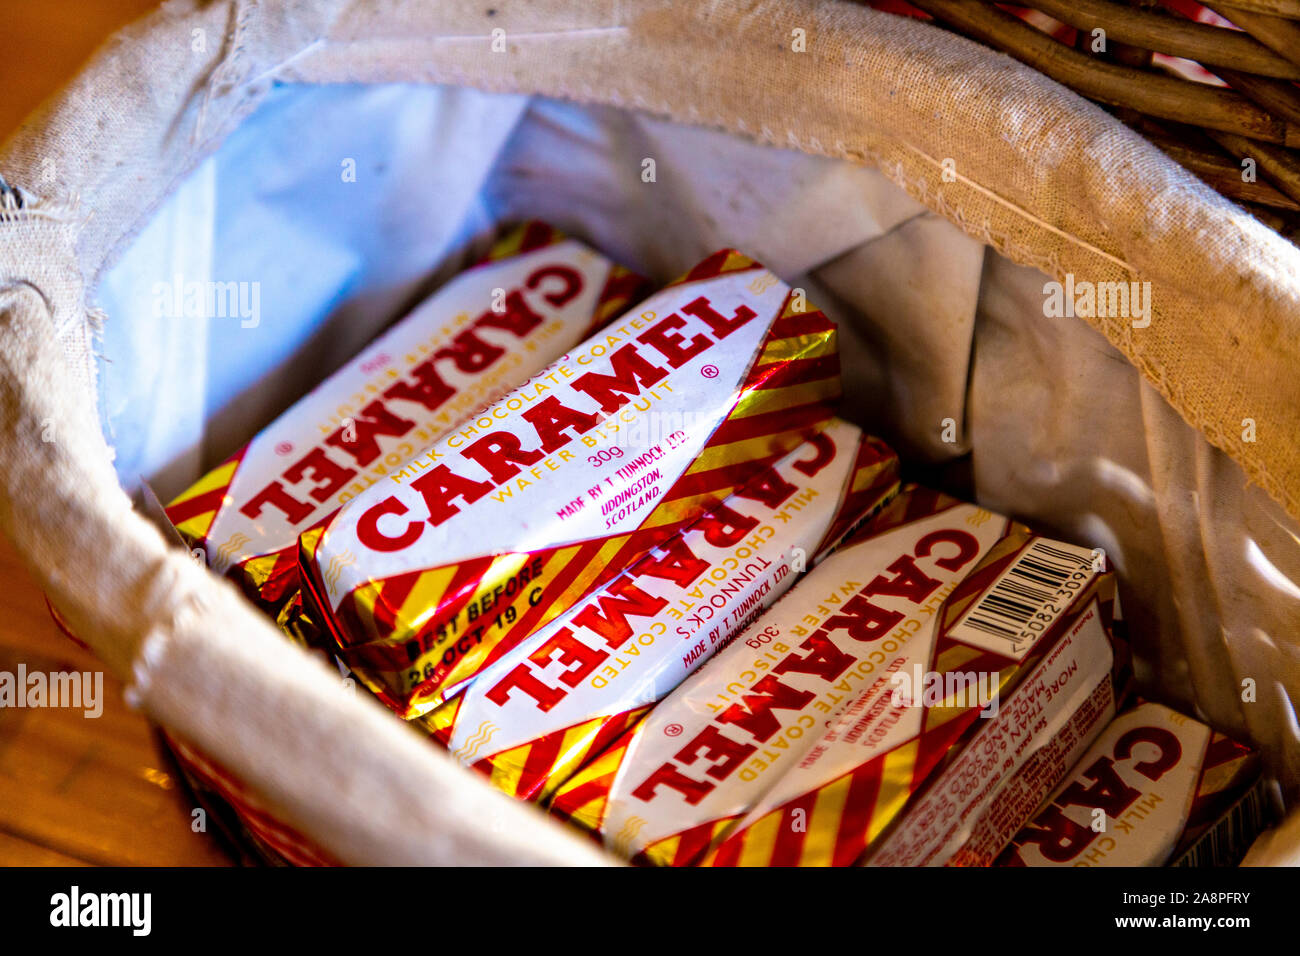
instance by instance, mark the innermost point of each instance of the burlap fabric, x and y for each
(1171, 444)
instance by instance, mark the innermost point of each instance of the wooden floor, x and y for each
(78, 789)
(74, 790)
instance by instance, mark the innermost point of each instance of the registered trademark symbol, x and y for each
(283, 448)
(709, 371)
(673, 730)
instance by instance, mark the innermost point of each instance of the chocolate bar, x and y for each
(803, 742)
(1155, 788)
(534, 296)
(430, 576)
(559, 697)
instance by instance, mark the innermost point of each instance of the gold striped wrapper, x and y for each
(427, 579)
(535, 295)
(1156, 788)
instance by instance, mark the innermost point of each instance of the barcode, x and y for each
(1225, 843)
(1010, 612)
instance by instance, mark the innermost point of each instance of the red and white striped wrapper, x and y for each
(555, 700)
(274, 840)
(429, 577)
(981, 712)
(535, 295)
(736, 766)
(1156, 787)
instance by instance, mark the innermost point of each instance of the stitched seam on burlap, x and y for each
(917, 187)
(1018, 252)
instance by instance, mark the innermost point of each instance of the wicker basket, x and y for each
(1213, 86)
